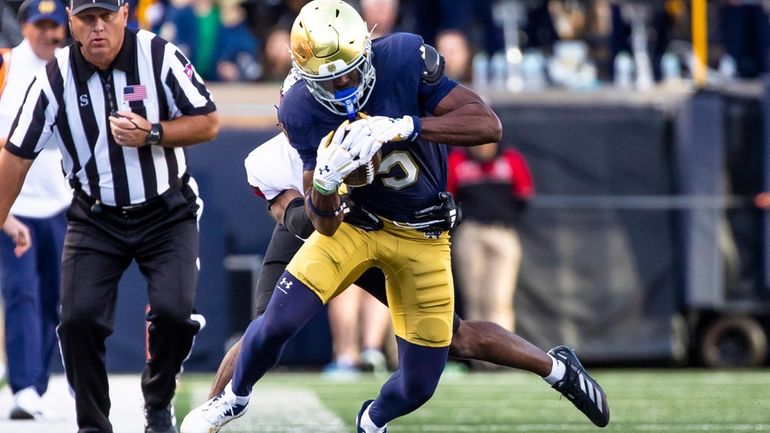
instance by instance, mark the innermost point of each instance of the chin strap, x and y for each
(349, 99)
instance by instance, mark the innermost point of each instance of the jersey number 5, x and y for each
(409, 168)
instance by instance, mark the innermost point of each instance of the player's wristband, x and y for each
(417, 128)
(323, 213)
(322, 190)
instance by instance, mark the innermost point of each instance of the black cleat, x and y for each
(580, 388)
(159, 420)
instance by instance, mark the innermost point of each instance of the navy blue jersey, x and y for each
(411, 172)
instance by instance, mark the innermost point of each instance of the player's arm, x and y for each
(333, 163)
(458, 115)
(280, 204)
(461, 118)
(288, 208)
(323, 210)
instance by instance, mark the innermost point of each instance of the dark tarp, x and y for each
(597, 273)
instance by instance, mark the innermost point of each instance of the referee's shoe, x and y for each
(159, 420)
(580, 388)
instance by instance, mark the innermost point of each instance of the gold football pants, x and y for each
(417, 270)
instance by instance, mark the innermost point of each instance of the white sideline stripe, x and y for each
(273, 410)
(270, 410)
(126, 415)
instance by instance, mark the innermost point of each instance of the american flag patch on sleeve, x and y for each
(136, 92)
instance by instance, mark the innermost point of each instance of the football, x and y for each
(364, 175)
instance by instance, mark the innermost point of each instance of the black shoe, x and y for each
(580, 388)
(159, 420)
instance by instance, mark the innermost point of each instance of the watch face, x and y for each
(154, 137)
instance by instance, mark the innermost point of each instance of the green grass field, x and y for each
(640, 401)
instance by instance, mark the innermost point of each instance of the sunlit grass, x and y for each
(640, 401)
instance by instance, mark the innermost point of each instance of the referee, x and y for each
(122, 105)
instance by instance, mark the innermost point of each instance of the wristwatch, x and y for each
(155, 135)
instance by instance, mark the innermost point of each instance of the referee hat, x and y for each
(77, 6)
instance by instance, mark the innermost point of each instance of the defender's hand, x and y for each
(19, 234)
(333, 162)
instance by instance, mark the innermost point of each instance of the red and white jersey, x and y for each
(274, 166)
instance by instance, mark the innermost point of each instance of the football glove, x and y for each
(372, 132)
(439, 218)
(357, 216)
(387, 129)
(333, 163)
(359, 141)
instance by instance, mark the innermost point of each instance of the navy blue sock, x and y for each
(293, 304)
(412, 384)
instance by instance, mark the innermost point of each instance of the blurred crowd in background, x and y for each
(507, 44)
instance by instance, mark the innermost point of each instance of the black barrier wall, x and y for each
(599, 257)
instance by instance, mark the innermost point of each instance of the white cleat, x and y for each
(364, 423)
(212, 415)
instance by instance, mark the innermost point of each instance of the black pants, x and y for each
(282, 247)
(101, 242)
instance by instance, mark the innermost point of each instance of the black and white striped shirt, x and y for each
(70, 101)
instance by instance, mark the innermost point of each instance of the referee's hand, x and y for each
(19, 234)
(129, 129)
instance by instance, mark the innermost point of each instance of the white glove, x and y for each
(367, 135)
(360, 141)
(333, 162)
(389, 129)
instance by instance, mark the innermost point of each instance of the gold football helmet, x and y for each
(332, 51)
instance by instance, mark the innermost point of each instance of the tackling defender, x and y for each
(411, 176)
(274, 172)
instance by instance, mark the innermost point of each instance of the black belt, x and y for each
(132, 211)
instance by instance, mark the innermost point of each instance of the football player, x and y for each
(274, 172)
(412, 108)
